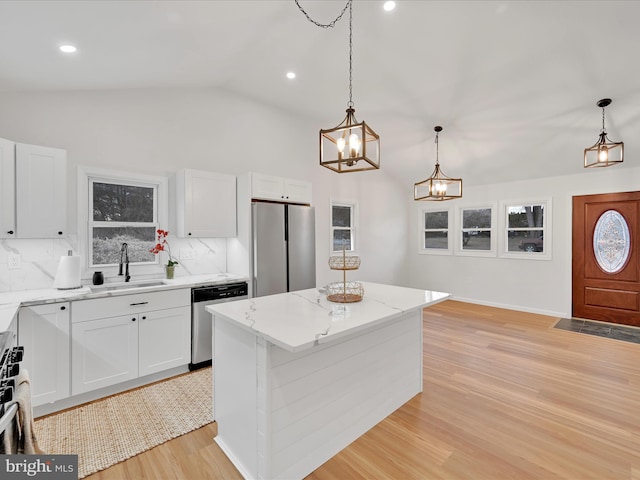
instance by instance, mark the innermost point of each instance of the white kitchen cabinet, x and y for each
(8, 186)
(104, 352)
(120, 338)
(43, 330)
(269, 187)
(205, 204)
(41, 191)
(164, 340)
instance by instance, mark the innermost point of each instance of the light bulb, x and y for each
(340, 143)
(441, 188)
(603, 154)
(354, 145)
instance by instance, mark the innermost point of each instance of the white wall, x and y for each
(381, 226)
(158, 132)
(161, 131)
(542, 286)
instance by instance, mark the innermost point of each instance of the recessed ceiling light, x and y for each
(291, 75)
(68, 48)
(390, 5)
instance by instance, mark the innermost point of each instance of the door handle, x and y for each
(138, 303)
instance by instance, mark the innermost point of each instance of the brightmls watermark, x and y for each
(45, 467)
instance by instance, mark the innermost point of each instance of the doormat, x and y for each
(600, 329)
(108, 431)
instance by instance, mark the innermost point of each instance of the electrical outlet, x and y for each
(13, 261)
(187, 253)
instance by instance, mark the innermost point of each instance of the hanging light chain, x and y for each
(437, 149)
(603, 130)
(332, 24)
(350, 104)
(324, 25)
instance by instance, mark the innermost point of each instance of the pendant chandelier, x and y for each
(352, 146)
(604, 152)
(438, 186)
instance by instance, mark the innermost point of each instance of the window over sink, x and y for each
(120, 207)
(122, 213)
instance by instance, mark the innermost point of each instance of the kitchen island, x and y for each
(298, 378)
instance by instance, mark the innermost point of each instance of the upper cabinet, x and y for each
(41, 191)
(205, 204)
(34, 191)
(268, 187)
(8, 189)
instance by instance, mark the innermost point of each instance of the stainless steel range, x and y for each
(10, 358)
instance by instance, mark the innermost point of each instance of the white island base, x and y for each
(298, 378)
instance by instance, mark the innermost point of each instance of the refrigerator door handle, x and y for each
(286, 225)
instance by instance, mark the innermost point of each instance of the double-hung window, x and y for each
(121, 212)
(527, 231)
(476, 234)
(435, 232)
(343, 227)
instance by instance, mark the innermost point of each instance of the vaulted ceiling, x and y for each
(513, 83)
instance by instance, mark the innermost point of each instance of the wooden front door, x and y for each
(606, 263)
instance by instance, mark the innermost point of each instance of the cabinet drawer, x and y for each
(91, 309)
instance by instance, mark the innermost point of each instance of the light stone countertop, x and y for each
(10, 302)
(299, 320)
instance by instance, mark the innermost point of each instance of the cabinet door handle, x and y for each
(63, 308)
(189, 233)
(144, 318)
(138, 303)
(10, 232)
(59, 233)
(133, 319)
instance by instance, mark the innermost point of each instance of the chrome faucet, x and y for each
(124, 255)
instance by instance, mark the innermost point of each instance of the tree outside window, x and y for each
(526, 226)
(122, 213)
(476, 229)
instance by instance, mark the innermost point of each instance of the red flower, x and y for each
(163, 246)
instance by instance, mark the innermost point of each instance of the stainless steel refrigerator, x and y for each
(284, 248)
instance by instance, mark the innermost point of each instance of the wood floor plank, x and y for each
(506, 396)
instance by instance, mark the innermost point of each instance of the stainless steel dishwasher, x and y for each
(201, 331)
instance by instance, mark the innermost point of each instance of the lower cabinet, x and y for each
(43, 330)
(80, 346)
(164, 340)
(105, 352)
(110, 346)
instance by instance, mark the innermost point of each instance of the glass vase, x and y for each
(170, 269)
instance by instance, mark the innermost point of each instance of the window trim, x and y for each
(353, 228)
(450, 221)
(85, 176)
(546, 230)
(493, 250)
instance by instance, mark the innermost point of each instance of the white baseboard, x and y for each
(519, 308)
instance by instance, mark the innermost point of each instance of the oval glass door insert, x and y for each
(611, 241)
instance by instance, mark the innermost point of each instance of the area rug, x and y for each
(110, 430)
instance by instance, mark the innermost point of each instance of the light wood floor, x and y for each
(506, 396)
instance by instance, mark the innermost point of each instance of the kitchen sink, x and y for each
(107, 287)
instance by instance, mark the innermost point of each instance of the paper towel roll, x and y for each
(68, 274)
